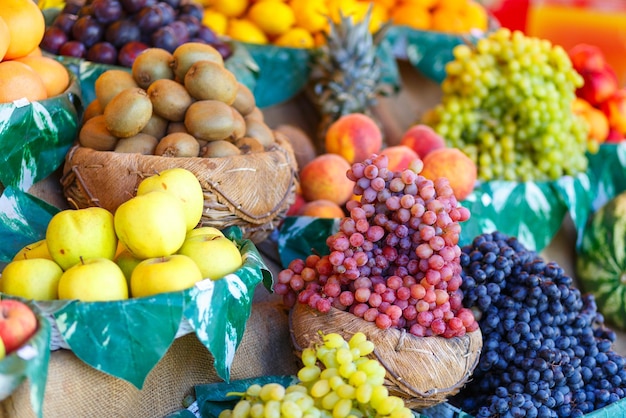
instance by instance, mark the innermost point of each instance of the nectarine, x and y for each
(322, 208)
(324, 177)
(400, 157)
(422, 139)
(354, 136)
(451, 163)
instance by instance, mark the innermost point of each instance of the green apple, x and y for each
(93, 280)
(164, 274)
(183, 184)
(216, 255)
(151, 225)
(127, 262)
(3, 350)
(205, 230)
(37, 249)
(73, 234)
(32, 278)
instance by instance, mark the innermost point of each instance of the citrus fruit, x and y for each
(310, 14)
(244, 30)
(415, 17)
(295, 38)
(18, 80)
(272, 17)
(26, 26)
(5, 38)
(54, 74)
(230, 8)
(215, 20)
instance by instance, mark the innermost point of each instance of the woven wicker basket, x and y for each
(251, 191)
(422, 371)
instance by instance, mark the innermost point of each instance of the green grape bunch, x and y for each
(507, 103)
(337, 380)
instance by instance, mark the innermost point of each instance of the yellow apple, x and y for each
(151, 225)
(3, 350)
(183, 184)
(32, 278)
(164, 274)
(73, 234)
(205, 230)
(216, 255)
(37, 249)
(93, 280)
(127, 262)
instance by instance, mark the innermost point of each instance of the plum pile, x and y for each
(114, 32)
(546, 351)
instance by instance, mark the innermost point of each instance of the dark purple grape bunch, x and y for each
(114, 32)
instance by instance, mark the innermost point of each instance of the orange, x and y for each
(310, 14)
(35, 53)
(244, 30)
(18, 80)
(273, 17)
(54, 74)
(5, 38)
(26, 26)
(415, 17)
(295, 38)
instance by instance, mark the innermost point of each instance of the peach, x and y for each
(400, 157)
(296, 205)
(597, 120)
(586, 57)
(615, 110)
(422, 139)
(324, 177)
(451, 163)
(321, 208)
(598, 85)
(354, 136)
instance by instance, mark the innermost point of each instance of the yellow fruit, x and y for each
(272, 17)
(26, 26)
(295, 38)
(5, 38)
(244, 30)
(415, 17)
(18, 80)
(475, 16)
(215, 20)
(230, 8)
(310, 14)
(336, 8)
(54, 75)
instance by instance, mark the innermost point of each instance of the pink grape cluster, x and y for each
(395, 260)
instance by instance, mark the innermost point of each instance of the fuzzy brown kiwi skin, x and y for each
(261, 132)
(110, 83)
(256, 114)
(128, 112)
(156, 126)
(207, 80)
(137, 144)
(219, 149)
(92, 109)
(152, 64)
(169, 98)
(210, 120)
(249, 145)
(178, 144)
(244, 102)
(176, 127)
(185, 55)
(95, 135)
(240, 125)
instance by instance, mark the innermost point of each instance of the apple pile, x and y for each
(151, 244)
(324, 188)
(17, 324)
(600, 100)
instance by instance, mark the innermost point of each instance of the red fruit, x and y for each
(599, 85)
(422, 139)
(613, 137)
(587, 57)
(17, 323)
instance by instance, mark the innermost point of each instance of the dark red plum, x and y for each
(102, 52)
(73, 49)
(87, 30)
(65, 22)
(129, 52)
(122, 32)
(53, 39)
(107, 11)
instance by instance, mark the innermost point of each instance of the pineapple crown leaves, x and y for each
(347, 71)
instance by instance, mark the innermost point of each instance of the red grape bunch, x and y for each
(114, 32)
(395, 260)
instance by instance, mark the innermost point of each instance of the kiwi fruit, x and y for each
(217, 149)
(188, 53)
(244, 100)
(178, 144)
(152, 64)
(92, 109)
(207, 80)
(301, 143)
(210, 120)
(94, 134)
(137, 144)
(128, 112)
(256, 114)
(169, 98)
(249, 145)
(176, 127)
(240, 125)
(156, 126)
(111, 82)
(260, 131)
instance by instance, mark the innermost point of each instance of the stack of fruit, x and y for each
(24, 72)
(302, 23)
(150, 245)
(114, 32)
(600, 100)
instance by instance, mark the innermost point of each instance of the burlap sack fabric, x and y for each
(75, 390)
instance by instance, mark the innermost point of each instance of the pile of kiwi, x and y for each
(180, 104)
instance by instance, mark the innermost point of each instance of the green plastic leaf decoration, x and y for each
(301, 236)
(35, 136)
(23, 220)
(126, 338)
(29, 362)
(607, 172)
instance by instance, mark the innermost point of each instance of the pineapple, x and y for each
(346, 71)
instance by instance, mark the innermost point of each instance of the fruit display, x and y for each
(338, 378)
(18, 323)
(507, 104)
(599, 260)
(302, 23)
(114, 32)
(150, 245)
(546, 350)
(601, 99)
(180, 104)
